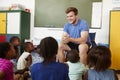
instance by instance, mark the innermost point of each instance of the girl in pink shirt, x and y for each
(7, 52)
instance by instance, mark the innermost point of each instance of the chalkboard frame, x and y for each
(51, 13)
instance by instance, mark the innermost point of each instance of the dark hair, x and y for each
(73, 56)
(4, 48)
(69, 9)
(26, 45)
(48, 48)
(99, 58)
(13, 38)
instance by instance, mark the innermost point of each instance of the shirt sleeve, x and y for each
(65, 28)
(85, 26)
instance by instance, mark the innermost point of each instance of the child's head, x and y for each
(73, 56)
(15, 41)
(48, 48)
(28, 47)
(7, 50)
(99, 58)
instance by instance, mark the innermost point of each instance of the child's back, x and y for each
(76, 69)
(99, 61)
(101, 75)
(49, 69)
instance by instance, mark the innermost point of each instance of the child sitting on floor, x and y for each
(99, 61)
(25, 60)
(76, 69)
(49, 69)
(7, 52)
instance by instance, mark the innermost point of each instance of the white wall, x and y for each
(44, 32)
(102, 35)
(27, 4)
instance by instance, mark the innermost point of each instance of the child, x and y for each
(99, 61)
(15, 41)
(25, 59)
(76, 69)
(49, 69)
(6, 66)
(36, 58)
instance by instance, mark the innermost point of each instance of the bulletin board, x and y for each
(96, 15)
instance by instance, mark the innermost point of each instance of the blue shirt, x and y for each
(50, 71)
(102, 75)
(74, 31)
(36, 58)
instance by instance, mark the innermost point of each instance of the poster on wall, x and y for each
(96, 15)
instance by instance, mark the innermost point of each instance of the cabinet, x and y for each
(14, 23)
(115, 38)
(2, 23)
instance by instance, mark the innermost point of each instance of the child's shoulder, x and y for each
(105, 71)
(75, 64)
(108, 74)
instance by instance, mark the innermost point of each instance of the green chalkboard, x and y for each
(51, 13)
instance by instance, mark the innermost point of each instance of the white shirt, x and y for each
(22, 63)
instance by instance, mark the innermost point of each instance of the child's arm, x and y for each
(21, 71)
(29, 60)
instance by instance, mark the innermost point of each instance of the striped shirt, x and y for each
(6, 66)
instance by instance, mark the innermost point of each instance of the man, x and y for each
(75, 36)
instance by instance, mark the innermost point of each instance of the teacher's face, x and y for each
(72, 18)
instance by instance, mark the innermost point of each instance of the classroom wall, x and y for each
(102, 35)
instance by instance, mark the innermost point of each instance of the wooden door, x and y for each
(115, 39)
